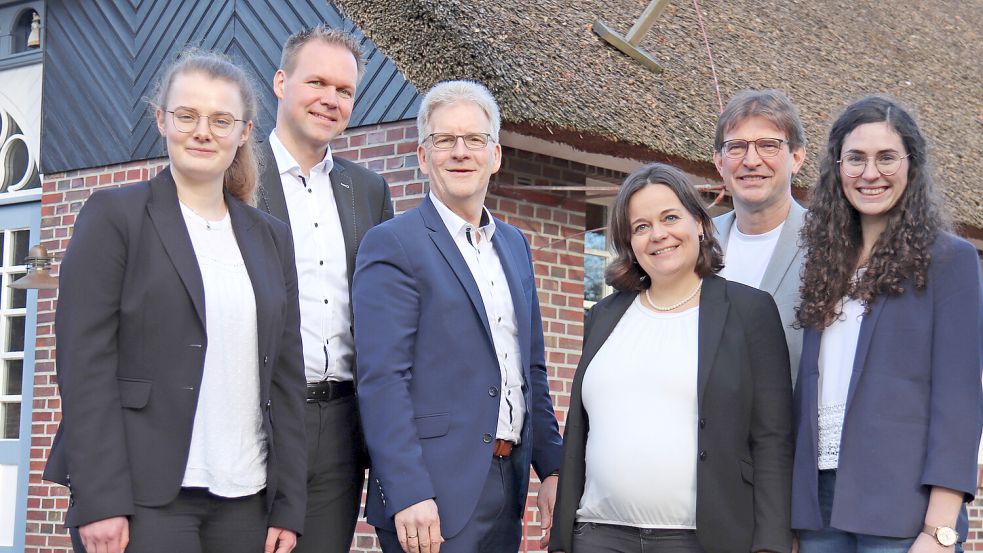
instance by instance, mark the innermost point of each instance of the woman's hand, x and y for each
(928, 544)
(109, 535)
(287, 540)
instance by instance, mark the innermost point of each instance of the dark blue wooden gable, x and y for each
(102, 59)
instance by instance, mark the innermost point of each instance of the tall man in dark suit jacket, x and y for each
(329, 204)
(452, 376)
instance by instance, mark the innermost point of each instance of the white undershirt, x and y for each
(322, 266)
(640, 394)
(837, 350)
(747, 255)
(486, 268)
(228, 443)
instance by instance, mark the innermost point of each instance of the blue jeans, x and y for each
(831, 540)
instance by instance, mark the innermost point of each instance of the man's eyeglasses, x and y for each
(766, 147)
(220, 123)
(447, 141)
(854, 164)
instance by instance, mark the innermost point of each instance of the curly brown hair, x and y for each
(624, 273)
(832, 234)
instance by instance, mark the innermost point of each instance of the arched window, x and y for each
(22, 31)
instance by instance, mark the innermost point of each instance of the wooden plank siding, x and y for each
(102, 59)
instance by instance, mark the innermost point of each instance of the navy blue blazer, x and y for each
(428, 375)
(131, 353)
(913, 413)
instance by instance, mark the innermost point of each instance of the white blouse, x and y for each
(228, 443)
(640, 394)
(837, 351)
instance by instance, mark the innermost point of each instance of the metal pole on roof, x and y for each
(645, 22)
(629, 43)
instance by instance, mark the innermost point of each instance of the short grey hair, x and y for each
(452, 92)
(772, 105)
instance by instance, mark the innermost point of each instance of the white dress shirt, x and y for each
(322, 270)
(228, 443)
(486, 268)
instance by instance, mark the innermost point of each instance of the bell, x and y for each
(34, 39)
(37, 277)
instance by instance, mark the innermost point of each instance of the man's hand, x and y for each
(287, 540)
(109, 535)
(545, 501)
(418, 528)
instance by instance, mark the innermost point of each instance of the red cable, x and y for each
(713, 68)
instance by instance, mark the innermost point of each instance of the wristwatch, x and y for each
(945, 535)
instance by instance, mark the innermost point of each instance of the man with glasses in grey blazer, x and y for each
(759, 146)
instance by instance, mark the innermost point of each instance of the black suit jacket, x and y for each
(744, 471)
(131, 351)
(362, 197)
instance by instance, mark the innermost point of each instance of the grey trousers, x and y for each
(591, 537)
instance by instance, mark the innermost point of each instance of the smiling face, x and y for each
(459, 177)
(759, 183)
(199, 156)
(315, 99)
(665, 238)
(872, 194)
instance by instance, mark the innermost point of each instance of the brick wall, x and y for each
(553, 223)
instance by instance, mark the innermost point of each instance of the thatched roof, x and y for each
(556, 79)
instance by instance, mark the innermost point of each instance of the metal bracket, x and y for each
(629, 43)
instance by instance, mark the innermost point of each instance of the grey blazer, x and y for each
(781, 278)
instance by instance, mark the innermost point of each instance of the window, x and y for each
(13, 315)
(597, 254)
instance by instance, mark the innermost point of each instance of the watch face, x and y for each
(946, 536)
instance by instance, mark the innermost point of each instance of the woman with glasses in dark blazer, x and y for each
(179, 357)
(888, 398)
(678, 437)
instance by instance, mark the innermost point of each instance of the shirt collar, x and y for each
(457, 226)
(285, 162)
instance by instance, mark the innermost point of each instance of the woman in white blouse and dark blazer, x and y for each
(678, 436)
(179, 357)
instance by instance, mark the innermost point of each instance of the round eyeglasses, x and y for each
(765, 147)
(853, 164)
(220, 123)
(447, 141)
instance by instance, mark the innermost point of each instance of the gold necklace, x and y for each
(675, 305)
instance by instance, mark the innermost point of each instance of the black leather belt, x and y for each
(327, 390)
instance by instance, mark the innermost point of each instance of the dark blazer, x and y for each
(429, 377)
(744, 471)
(913, 413)
(131, 351)
(362, 197)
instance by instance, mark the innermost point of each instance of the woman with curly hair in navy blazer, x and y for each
(179, 356)
(888, 399)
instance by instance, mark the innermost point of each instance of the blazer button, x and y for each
(493, 391)
(266, 359)
(703, 423)
(703, 455)
(487, 438)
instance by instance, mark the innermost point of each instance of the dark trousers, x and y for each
(197, 522)
(494, 527)
(591, 537)
(335, 474)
